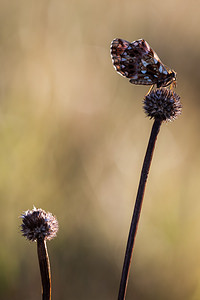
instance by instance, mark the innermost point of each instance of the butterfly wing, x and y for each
(138, 62)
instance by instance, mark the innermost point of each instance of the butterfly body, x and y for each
(138, 62)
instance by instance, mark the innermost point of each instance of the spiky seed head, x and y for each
(38, 224)
(162, 104)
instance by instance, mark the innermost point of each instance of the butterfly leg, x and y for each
(151, 88)
(171, 87)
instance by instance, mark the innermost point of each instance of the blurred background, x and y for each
(72, 141)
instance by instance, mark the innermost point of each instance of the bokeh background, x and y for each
(72, 140)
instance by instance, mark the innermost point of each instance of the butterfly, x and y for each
(140, 63)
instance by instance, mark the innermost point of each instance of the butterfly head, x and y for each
(174, 78)
(169, 80)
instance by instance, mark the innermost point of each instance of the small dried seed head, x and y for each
(38, 224)
(162, 104)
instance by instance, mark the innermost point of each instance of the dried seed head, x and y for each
(38, 224)
(162, 104)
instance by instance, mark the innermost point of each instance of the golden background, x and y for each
(72, 140)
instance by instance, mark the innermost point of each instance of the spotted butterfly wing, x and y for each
(139, 62)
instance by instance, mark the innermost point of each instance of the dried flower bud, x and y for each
(162, 104)
(38, 224)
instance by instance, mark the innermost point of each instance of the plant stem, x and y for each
(44, 269)
(137, 209)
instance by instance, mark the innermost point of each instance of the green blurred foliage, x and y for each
(72, 140)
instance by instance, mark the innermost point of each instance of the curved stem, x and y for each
(137, 209)
(44, 269)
